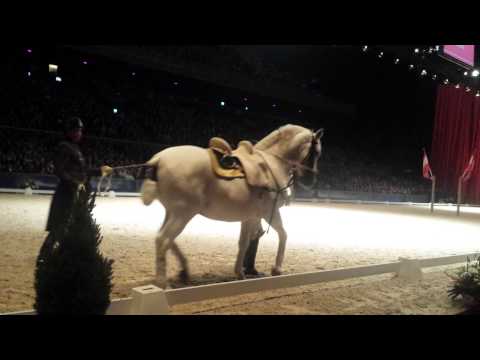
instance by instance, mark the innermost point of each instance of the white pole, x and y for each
(459, 195)
(432, 199)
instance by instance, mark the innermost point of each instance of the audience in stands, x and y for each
(129, 121)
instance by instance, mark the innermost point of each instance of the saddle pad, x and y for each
(255, 167)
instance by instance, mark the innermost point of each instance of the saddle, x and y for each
(224, 164)
(243, 162)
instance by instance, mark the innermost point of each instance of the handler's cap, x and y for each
(73, 123)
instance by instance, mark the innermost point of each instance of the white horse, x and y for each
(186, 186)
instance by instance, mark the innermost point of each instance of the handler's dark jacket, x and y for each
(70, 167)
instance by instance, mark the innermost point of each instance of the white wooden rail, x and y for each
(296, 200)
(233, 288)
(151, 300)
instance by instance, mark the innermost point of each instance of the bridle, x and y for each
(299, 164)
(291, 181)
(314, 170)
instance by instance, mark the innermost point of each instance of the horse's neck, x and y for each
(273, 144)
(279, 161)
(279, 143)
(283, 150)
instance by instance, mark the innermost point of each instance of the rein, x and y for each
(109, 177)
(291, 181)
(294, 163)
(278, 192)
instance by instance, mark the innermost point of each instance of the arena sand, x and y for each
(321, 236)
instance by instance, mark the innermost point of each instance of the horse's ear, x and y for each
(318, 134)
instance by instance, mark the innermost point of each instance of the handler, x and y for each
(74, 175)
(251, 254)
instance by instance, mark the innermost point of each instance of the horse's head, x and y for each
(295, 143)
(309, 149)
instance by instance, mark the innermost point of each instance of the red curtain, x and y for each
(456, 136)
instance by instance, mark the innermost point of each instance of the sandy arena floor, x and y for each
(321, 236)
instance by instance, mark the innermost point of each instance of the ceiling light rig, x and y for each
(418, 61)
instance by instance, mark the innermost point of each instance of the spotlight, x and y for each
(133, 74)
(475, 73)
(246, 108)
(29, 74)
(58, 79)
(411, 66)
(437, 48)
(245, 99)
(467, 89)
(222, 103)
(397, 61)
(424, 72)
(29, 51)
(381, 54)
(446, 81)
(84, 62)
(434, 76)
(274, 105)
(365, 48)
(115, 110)
(175, 83)
(477, 94)
(416, 51)
(52, 68)
(457, 86)
(465, 73)
(300, 110)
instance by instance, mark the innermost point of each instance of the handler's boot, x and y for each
(250, 255)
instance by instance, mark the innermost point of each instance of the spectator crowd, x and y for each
(128, 120)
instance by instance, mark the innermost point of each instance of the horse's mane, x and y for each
(283, 132)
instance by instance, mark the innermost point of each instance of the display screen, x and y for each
(463, 53)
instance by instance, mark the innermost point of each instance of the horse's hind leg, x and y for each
(171, 228)
(184, 273)
(277, 224)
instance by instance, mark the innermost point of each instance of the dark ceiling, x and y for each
(308, 60)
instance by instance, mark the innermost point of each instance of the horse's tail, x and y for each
(149, 186)
(149, 191)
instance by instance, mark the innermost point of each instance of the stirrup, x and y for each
(228, 162)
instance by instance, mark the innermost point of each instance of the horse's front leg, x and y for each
(277, 224)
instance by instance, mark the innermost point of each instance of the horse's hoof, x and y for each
(241, 276)
(276, 271)
(161, 283)
(184, 276)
